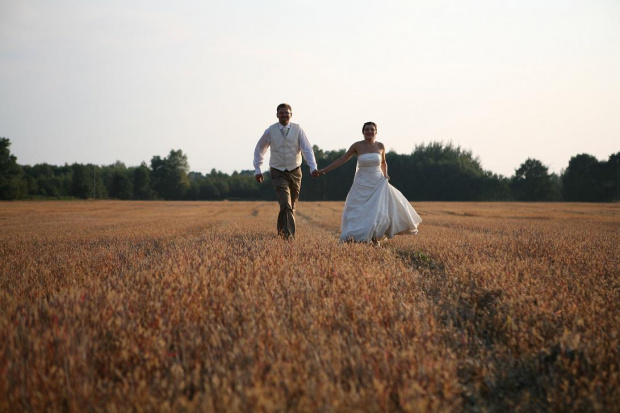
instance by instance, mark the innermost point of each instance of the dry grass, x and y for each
(198, 306)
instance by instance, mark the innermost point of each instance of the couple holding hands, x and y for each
(374, 209)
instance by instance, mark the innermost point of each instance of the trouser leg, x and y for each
(295, 186)
(287, 185)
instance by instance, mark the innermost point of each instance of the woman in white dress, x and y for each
(374, 209)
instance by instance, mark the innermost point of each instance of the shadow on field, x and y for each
(478, 329)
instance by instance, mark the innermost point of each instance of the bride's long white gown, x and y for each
(374, 208)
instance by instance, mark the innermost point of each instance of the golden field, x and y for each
(182, 306)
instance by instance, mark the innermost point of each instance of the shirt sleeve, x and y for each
(259, 152)
(306, 150)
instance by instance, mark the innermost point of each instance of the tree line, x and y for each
(432, 172)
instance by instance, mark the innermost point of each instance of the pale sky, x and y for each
(96, 82)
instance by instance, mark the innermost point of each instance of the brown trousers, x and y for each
(287, 185)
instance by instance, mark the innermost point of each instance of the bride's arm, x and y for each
(340, 161)
(384, 162)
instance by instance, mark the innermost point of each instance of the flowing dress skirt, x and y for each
(374, 209)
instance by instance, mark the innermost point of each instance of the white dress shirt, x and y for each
(265, 141)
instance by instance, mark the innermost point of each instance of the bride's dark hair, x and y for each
(369, 123)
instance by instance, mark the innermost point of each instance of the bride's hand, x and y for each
(387, 177)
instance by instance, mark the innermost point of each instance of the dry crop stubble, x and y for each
(173, 305)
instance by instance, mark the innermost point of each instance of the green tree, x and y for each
(532, 182)
(87, 181)
(46, 180)
(12, 182)
(169, 175)
(242, 186)
(82, 182)
(582, 181)
(120, 186)
(141, 177)
(611, 179)
(438, 171)
(195, 178)
(220, 182)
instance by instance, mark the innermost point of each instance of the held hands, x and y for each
(259, 178)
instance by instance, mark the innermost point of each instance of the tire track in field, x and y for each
(467, 309)
(318, 223)
(257, 209)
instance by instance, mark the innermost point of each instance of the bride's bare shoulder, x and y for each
(356, 145)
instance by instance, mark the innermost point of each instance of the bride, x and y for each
(374, 209)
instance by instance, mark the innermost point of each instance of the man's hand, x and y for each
(315, 173)
(259, 178)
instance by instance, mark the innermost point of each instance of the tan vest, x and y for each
(285, 153)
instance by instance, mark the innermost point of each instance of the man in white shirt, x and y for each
(287, 143)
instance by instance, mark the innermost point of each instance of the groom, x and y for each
(287, 142)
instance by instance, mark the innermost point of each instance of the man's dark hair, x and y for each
(284, 105)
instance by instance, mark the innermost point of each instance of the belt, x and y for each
(286, 170)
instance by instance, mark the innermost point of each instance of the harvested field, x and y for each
(199, 306)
